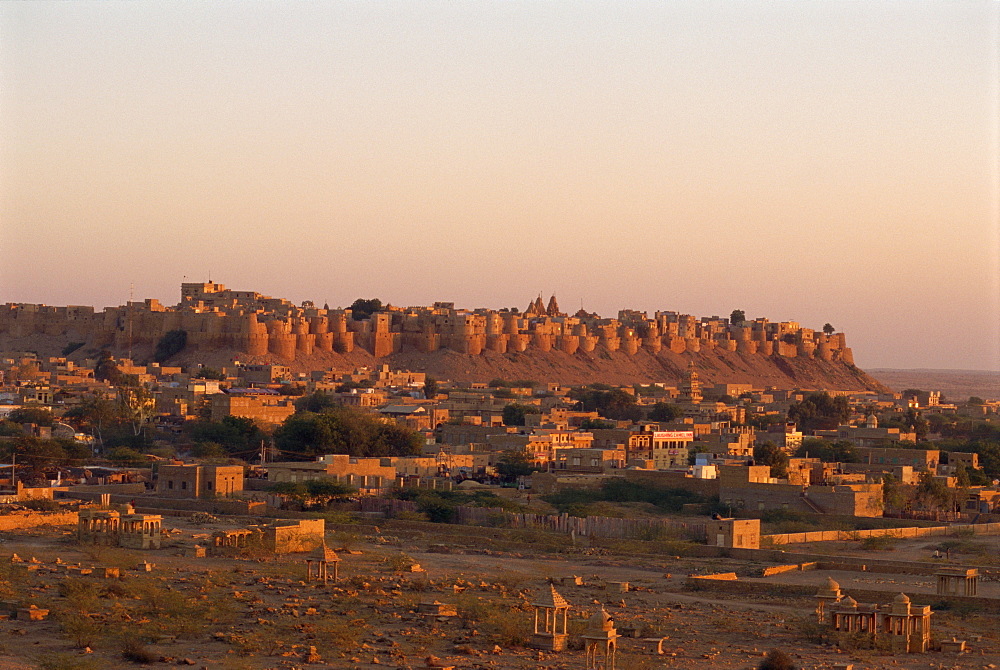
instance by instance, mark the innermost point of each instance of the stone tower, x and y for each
(691, 386)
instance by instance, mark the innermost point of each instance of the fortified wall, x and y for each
(215, 318)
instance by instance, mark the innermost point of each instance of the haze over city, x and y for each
(818, 162)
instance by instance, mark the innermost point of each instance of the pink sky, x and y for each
(820, 161)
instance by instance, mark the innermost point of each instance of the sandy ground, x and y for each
(956, 385)
(254, 614)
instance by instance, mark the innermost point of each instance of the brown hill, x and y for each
(601, 365)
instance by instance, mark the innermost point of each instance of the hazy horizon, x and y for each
(814, 162)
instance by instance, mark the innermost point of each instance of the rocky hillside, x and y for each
(610, 367)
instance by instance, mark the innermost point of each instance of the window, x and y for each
(209, 485)
(184, 485)
(170, 483)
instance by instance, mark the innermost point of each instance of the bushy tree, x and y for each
(664, 412)
(514, 413)
(106, 369)
(737, 316)
(820, 411)
(209, 373)
(236, 435)
(343, 430)
(776, 660)
(430, 387)
(596, 424)
(42, 456)
(770, 454)
(317, 401)
(40, 416)
(127, 457)
(363, 309)
(932, 493)
(313, 494)
(611, 403)
(513, 464)
(840, 451)
(136, 405)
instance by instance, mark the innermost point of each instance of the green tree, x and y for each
(209, 373)
(40, 416)
(363, 309)
(106, 369)
(343, 430)
(208, 450)
(44, 456)
(770, 454)
(829, 329)
(610, 403)
(840, 451)
(737, 317)
(94, 416)
(10, 429)
(127, 457)
(136, 405)
(430, 387)
(894, 495)
(932, 493)
(313, 494)
(820, 411)
(596, 424)
(664, 412)
(237, 435)
(317, 401)
(962, 476)
(513, 464)
(514, 414)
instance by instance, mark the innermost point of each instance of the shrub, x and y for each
(776, 660)
(41, 505)
(880, 543)
(136, 652)
(68, 662)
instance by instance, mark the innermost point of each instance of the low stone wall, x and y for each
(902, 533)
(591, 526)
(795, 567)
(719, 577)
(135, 488)
(806, 591)
(155, 505)
(36, 519)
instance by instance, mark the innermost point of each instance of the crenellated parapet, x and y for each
(214, 317)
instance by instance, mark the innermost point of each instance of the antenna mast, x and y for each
(131, 290)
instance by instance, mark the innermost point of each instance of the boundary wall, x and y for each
(724, 585)
(591, 526)
(902, 533)
(21, 521)
(153, 505)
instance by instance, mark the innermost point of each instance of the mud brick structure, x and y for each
(215, 317)
(116, 528)
(551, 621)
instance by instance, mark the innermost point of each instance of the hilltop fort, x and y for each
(218, 322)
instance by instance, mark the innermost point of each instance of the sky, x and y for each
(806, 161)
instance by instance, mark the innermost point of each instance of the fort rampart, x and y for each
(216, 318)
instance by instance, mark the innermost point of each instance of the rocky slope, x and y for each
(610, 367)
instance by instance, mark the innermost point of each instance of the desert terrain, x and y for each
(253, 612)
(956, 385)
